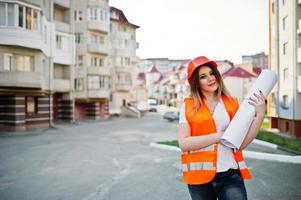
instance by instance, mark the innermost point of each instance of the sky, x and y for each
(184, 29)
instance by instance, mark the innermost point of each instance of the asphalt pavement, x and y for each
(114, 159)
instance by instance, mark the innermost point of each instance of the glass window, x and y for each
(10, 14)
(58, 41)
(284, 48)
(21, 16)
(35, 20)
(24, 63)
(28, 18)
(8, 62)
(31, 105)
(80, 60)
(93, 82)
(79, 84)
(284, 20)
(285, 101)
(285, 73)
(2, 14)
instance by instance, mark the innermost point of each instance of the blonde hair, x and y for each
(196, 92)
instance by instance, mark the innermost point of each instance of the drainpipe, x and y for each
(52, 33)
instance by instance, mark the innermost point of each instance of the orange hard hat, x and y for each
(197, 62)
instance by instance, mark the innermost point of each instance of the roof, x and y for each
(154, 69)
(121, 17)
(141, 76)
(257, 70)
(238, 72)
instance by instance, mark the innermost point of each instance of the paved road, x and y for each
(112, 160)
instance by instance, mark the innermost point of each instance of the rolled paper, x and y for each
(240, 124)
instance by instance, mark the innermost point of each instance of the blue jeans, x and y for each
(227, 185)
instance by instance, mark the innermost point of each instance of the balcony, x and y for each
(97, 3)
(98, 26)
(98, 48)
(123, 87)
(98, 71)
(25, 38)
(61, 85)
(65, 54)
(99, 93)
(62, 27)
(125, 69)
(21, 79)
(299, 84)
(63, 3)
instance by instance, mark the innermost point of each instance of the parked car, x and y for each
(152, 105)
(171, 116)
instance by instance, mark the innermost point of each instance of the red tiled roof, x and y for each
(238, 72)
(122, 19)
(141, 76)
(154, 69)
(257, 70)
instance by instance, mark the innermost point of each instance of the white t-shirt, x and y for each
(225, 159)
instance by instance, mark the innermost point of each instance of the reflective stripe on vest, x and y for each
(199, 166)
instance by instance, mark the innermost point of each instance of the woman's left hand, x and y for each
(258, 103)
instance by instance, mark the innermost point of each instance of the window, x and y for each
(8, 62)
(2, 14)
(79, 84)
(11, 14)
(283, 2)
(28, 18)
(58, 41)
(273, 99)
(299, 69)
(78, 15)
(78, 38)
(285, 74)
(93, 82)
(299, 39)
(284, 48)
(21, 16)
(24, 63)
(97, 61)
(284, 21)
(285, 101)
(79, 60)
(104, 82)
(31, 105)
(97, 39)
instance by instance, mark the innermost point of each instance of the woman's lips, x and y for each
(212, 84)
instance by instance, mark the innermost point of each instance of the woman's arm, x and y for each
(188, 143)
(260, 109)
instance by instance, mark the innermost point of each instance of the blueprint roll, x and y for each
(240, 124)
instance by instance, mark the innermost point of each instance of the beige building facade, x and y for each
(33, 36)
(124, 62)
(284, 104)
(92, 69)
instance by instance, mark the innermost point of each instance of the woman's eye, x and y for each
(202, 77)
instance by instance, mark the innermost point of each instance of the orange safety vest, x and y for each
(199, 166)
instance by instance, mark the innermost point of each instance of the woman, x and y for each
(211, 169)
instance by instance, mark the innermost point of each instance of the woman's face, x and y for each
(207, 80)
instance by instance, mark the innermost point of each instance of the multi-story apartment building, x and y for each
(284, 104)
(123, 60)
(257, 60)
(92, 71)
(34, 35)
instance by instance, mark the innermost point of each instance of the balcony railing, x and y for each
(21, 79)
(61, 26)
(98, 48)
(98, 26)
(61, 85)
(99, 93)
(123, 87)
(98, 71)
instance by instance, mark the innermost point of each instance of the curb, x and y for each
(247, 154)
(274, 146)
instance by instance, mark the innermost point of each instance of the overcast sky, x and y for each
(180, 29)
